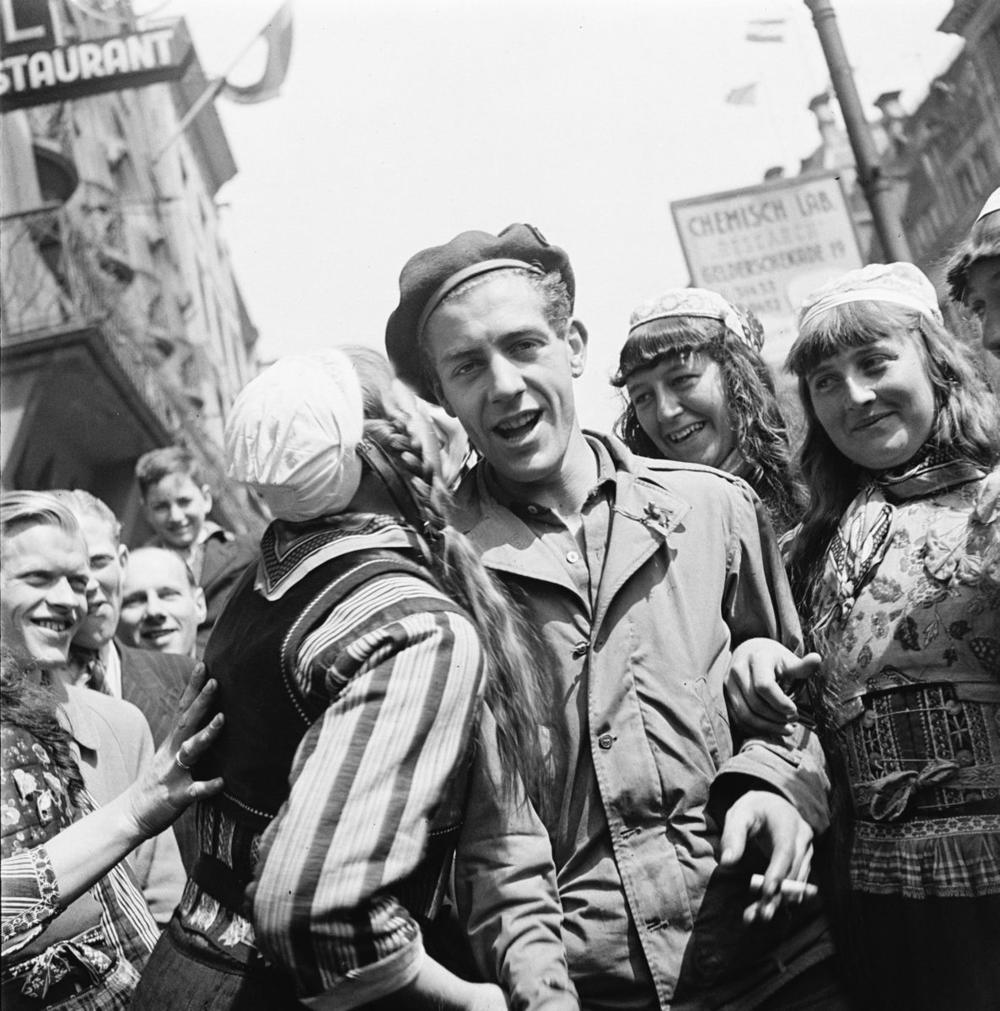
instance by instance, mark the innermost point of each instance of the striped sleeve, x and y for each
(366, 780)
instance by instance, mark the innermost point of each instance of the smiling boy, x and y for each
(176, 502)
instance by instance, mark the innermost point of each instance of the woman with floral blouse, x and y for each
(897, 568)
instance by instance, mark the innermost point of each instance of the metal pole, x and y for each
(874, 184)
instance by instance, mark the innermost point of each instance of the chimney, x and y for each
(893, 118)
(826, 119)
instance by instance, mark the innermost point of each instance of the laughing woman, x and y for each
(699, 392)
(897, 569)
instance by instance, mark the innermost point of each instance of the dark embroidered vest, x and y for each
(251, 654)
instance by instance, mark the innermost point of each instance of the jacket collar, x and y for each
(644, 514)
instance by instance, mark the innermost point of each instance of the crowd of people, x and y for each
(505, 713)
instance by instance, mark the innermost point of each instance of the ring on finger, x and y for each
(180, 762)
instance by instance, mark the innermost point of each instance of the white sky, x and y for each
(402, 123)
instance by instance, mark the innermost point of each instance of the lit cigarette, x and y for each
(789, 889)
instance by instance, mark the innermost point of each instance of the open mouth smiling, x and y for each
(58, 625)
(685, 433)
(518, 426)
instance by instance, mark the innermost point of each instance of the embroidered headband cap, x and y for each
(740, 324)
(899, 283)
(293, 433)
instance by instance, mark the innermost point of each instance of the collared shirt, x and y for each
(402, 702)
(112, 662)
(581, 551)
(98, 669)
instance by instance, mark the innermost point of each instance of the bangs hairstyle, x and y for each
(653, 341)
(967, 418)
(649, 345)
(752, 403)
(983, 243)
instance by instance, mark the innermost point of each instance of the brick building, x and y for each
(123, 325)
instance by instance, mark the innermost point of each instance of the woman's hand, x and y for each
(167, 788)
(756, 701)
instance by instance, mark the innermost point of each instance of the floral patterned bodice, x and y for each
(907, 616)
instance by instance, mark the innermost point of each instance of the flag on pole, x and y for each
(747, 95)
(277, 34)
(766, 30)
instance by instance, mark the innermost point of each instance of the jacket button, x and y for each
(580, 649)
(605, 741)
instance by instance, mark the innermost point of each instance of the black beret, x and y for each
(429, 275)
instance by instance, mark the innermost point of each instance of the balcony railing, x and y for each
(60, 276)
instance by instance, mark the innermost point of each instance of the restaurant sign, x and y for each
(39, 63)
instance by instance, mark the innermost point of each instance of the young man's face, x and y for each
(107, 568)
(44, 577)
(507, 376)
(176, 508)
(161, 610)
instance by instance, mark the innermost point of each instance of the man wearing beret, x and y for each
(648, 580)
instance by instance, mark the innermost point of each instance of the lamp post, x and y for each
(875, 186)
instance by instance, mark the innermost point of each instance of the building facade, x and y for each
(943, 158)
(123, 326)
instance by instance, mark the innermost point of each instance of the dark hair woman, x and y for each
(352, 661)
(897, 571)
(699, 392)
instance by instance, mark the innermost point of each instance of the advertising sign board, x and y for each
(766, 247)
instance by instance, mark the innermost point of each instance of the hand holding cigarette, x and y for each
(795, 891)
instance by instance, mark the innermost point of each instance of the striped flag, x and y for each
(277, 33)
(766, 30)
(747, 95)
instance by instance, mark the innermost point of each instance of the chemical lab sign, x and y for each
(766, 247)
(42, 60)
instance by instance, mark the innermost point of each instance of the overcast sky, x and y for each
(402, 123)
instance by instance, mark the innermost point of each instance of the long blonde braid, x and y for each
(514, 653)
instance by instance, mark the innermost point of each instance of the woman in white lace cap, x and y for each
(896, 569)
(352, 662)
